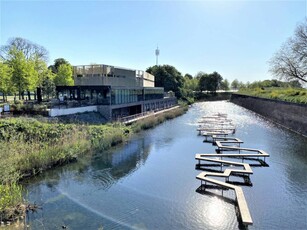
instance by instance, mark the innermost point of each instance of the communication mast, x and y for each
(157, 54)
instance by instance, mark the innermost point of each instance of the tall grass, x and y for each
(10, 201)
(295, 95)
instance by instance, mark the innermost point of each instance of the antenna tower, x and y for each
(157, 54)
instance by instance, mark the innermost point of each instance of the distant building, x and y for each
(117, 92)
(112, 76)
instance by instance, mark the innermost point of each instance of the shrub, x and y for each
(10, 199)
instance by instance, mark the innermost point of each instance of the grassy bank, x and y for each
(295, 95)
(29, 146)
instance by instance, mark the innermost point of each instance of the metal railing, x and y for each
(132, 117)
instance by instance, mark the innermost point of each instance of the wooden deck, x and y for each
(258, 152)
(241, 201)
(218, 128)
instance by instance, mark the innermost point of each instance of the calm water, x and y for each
(149, 183)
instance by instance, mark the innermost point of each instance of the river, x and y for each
(149, 182)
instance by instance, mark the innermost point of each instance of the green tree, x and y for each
(210, 82)
(203, 81)
(5, 79)
(241, 85)
(57, 62)
(48, 88)
(190, 85)
(169, 77)
(47, 84)
(224, 85)
(188, 76)
(33, 57)
(24, 77)
(64, 76)
(215, 81)
(235, 84)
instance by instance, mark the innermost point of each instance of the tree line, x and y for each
(23, 68)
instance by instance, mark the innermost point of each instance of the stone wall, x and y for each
(290, 115)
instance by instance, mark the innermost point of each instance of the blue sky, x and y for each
(234, 38)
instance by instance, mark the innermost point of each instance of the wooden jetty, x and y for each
(240, 198)
(226, 140)
(258, 152)
(218, 128)
(216, 123)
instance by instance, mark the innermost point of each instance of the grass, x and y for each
(29, 146)
(11, 201)
(295, 95)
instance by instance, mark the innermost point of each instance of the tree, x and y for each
(273, 83)
(215, 81)
(210, 82)
(235, 84)
(5, 79)
(224, 85)
(24, 77)
(241, 85)
(188, 76)
(32, 59)
(290, 62)
(64, 76)
(169, 77)
(203, 81)
(57, 62)
(190, 85)
(295, 84)
(47, 84)
(48, 88)
(28, 48)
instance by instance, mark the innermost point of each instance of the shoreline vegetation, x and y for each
(29, 146)
(294, 95)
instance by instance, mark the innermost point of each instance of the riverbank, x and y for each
(28, 147)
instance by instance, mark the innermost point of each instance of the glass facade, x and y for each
(91, 95)
(153, 93)
(101, 95)
(124, 96)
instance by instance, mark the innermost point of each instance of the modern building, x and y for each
(117, 92)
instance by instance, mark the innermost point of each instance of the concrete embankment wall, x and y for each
(290, 115)
(67, 111)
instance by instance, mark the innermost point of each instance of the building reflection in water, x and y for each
(108, 168)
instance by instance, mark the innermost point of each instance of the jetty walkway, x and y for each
(216, 129)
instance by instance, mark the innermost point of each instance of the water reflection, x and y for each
(107, 169)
